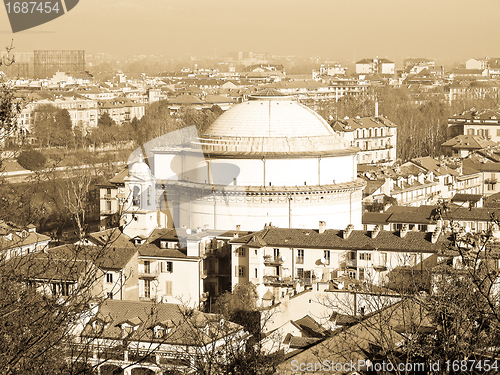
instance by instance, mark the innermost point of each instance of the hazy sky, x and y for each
(340, 29)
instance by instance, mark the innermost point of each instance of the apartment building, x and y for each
(15, 241)
(484, 123)
(121, 109)
(81, 109)
(280, 260)
(375, 66)
(375, 136)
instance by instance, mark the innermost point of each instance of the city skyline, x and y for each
(448, 30)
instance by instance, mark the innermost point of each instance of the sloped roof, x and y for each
(119, 178)
(154, 251)
(367, 122)
(358, 239)
(424, 214)
(147, 315)
(468, 142)
(310, 327)
(352, 343)
(21, 238)
(435, 166)
(466, 197)
(302, 342)
(375, 218)
(185, 99)
(110, 237)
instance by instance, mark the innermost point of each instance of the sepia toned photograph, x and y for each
(274, 187)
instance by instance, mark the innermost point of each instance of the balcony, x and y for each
(271, 279)
(273, 260)
(148, 274)
(380, 261)
(348, 260)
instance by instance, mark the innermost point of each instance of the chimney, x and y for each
(238, 227)
(375, 231)
(322, 227)
(435, 235)
(403, 231)
(347, 231)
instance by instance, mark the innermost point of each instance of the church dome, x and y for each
(140, 169)
(271, 122)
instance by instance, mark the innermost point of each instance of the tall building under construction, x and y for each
(47, 62)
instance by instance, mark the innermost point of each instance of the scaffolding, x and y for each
(48, 62)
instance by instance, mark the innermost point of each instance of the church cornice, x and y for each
(197, 188)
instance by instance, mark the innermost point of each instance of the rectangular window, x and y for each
(147, 288)
(361, 274)
(326, 255)
(110, 295)
(147, 266)
(300, 273)
(170, 266)
(109, 277)
(256, 273)
(168, 288)
(276, 253)
(300, 256)
(108, 206)
(241, 271)
(368, 256)
(241, 252)
(361, 256)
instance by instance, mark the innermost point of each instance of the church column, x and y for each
(264, 169)
(319, 170)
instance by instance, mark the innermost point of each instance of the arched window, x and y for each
(370, 133)
(376, 132)
(148, 195)
(136, 196)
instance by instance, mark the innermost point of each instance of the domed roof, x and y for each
(140, 169)
(271, 122)
(270, 116)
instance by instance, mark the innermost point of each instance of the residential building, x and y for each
(112, 196)
(375, 66)
(485, 123)
(416, 64)
(142, 337)
(428, 218)
(477, 64)
(81, 109)
(329, 70)
(407, 185)
(375, 136)
(15, 241)
(276, 259)
(462, 145)
(121, 109)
